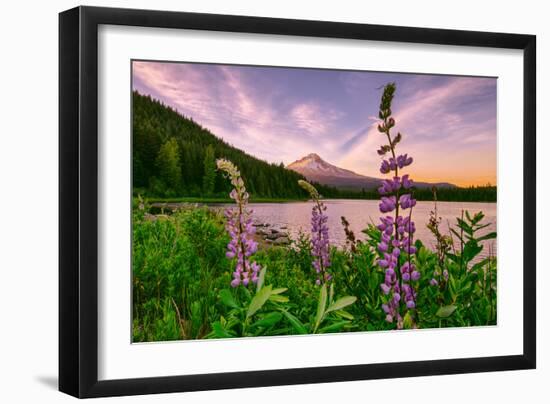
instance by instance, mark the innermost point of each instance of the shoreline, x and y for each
(199, 200)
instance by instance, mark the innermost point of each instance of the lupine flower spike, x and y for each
(241, 229)
(396, 244)
(319, 235)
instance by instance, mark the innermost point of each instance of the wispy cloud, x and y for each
(448, 123)
(451, 134)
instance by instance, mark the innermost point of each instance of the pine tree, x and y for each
(209, 177)
(168, 162)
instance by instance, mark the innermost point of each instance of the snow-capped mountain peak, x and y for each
(313, 166)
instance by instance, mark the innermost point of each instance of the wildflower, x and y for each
(406, 201)
(384, 167)
(351, 241)
(403, 161)
(389, 186)
(396, 243)
(443, 243)
(406, 182)
(387, 204)
(319, 235)
(240, 228)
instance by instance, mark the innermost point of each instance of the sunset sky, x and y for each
(282, 114)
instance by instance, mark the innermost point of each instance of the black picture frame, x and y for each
(78, 200)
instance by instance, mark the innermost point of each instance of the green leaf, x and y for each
(471, 249)
(227, 298)
(246, 293)
(464, 226)
(219, 331)
(268, 320)
(408, 321)
(321, 304)
(445, 311)
(488, 236)
(481, 226)
(476, 267)
(478, 217)
(334, 327)
(297, 324)
(261, 279)
(344, 314)
(456, 234)
(341, 303)
(278, 298)
(278, 291)
(258, 300)
(454, 258)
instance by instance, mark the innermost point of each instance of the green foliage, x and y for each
(209, 178)
(168, 162)
(181, 281)
(178, 269)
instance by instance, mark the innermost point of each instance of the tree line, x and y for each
(174, 156)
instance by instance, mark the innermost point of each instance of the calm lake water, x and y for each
(293, 216)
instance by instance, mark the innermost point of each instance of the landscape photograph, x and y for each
(277, 201)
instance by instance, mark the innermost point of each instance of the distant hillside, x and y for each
(314, 168)
(174, 156)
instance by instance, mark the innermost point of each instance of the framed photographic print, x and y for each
(250, 201)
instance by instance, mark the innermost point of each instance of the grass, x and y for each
(196, 199)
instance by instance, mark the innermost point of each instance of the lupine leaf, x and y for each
(278, 298)
(334, 327)
(321, 304)
(445, 311)
(297, 324)
(226, 298)
(219, 331)
(344, 314)
(407, 321)
(268, 320)
(278, 291)
(261, 279)
(258, 300)
(341, 303)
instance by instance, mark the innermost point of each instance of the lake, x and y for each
(293, 216)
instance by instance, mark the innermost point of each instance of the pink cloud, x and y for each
(433, 135)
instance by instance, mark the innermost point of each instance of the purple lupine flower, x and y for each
(384, 167)
(389, 186)
(406, 181)
(403, 161)
(240, 228)
(320, 244)
(387, 204)
(407, 201)
(397, 232)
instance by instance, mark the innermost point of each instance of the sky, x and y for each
(278, 114)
